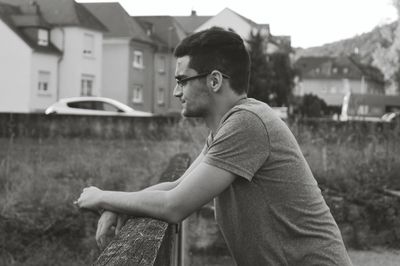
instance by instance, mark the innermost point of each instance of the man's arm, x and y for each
(109, 219)
(198, 187)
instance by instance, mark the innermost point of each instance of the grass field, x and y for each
(40, 178)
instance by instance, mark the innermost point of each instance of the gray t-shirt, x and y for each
(273, 213)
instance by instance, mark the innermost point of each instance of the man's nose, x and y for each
(177, 91)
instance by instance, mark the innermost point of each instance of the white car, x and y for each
(90, 105)
(391, 117)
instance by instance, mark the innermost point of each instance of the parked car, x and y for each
(91, 105)
(391, 117)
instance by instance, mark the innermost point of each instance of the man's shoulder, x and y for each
(248, 115)
(252, 109)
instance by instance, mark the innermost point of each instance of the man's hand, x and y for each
(89, 198)
(109, 225)
(105, 228)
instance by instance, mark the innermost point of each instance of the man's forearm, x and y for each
(152, 203)
(164, 186)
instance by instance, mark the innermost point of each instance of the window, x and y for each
(94, 105)
(345, 70)
(43, 37)
(43, 82)
(110, 108)
(87, 85)
(138, 59)
(161, 96)
(334, 70)
(317, 70)
(362, 110)
(88, 44)
(137, 94)
(81, 105)
(161, 64)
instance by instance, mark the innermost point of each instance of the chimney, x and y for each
(194, 13)
(31, 7)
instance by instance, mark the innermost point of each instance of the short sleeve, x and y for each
(241, 145)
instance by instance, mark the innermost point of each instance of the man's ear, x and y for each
(215, 80)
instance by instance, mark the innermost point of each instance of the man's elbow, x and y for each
(173, 218)
(174, 212)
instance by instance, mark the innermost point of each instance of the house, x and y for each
(128, 57)
(229, 19)
(53, 50)
(28, 60)
(166, 32)
(138, 65)
(192, 22)
(331, 78)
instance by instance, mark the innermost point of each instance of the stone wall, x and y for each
(42, 126)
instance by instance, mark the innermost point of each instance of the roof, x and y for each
(63, 13)
(252, 23)
(368, 70)
(355, 69)
(20, 22)
(190, 23)
(164, 29)
(118, 21)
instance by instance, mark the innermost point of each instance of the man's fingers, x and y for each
(100, 236)
(120, 223)
(100, 242)
(99, 229)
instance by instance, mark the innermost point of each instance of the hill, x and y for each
(365, 44)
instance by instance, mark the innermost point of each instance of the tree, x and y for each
(387, 56)
(271, 77)
(260, 73)
(313, 106)
(282, 78)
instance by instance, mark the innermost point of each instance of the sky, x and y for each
(308, 22)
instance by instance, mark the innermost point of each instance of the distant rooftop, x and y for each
(325, 65)
(118, 21)
(192, 22)
(62, 13)
(165, 29)
(20, 20)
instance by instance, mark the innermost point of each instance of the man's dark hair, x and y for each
(218, 49)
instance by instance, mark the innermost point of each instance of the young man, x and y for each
(268, 205)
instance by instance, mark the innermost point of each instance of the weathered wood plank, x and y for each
(145, 241)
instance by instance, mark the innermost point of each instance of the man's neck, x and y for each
(214, 119)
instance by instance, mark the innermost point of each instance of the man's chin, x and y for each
(186, 113)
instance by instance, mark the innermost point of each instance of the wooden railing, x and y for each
(146, 241)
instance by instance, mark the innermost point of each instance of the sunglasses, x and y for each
(182, 81)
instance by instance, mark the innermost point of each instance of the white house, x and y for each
(28, 62)
(51, 50)
(230, 20)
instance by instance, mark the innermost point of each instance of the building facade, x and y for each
(59, 49)
(331, 78)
